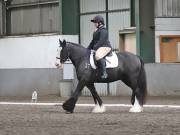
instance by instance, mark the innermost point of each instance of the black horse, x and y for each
(130, 70)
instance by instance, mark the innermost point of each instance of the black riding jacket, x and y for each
(100, 39)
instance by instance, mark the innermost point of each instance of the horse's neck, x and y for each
(76, 54)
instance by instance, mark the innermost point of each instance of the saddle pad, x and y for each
(111, 61)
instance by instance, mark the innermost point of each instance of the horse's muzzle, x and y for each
(60, 66)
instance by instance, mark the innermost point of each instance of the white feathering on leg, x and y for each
(136, 107)
(99, 109)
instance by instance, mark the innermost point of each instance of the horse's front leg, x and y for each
(70, 103)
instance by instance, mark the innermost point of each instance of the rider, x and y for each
(100, 44)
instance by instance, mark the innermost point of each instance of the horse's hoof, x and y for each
(136, 109)
(99, 109)
(67, 108)
(69, 112)
(69, 105)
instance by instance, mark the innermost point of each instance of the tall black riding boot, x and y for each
(102, 67)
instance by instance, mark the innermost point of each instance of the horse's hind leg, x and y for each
(137, 107)
(133, 97)
(99, 107)
(139, 90)
(136, 101)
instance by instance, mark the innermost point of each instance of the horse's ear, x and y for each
(64, 42)
(60, 43)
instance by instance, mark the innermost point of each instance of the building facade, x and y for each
(149, 28)
(167, 34)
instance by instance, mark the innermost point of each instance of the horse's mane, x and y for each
(75, 44)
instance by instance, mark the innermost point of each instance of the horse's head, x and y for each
(62, 54)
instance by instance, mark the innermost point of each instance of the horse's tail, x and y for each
(142, 84)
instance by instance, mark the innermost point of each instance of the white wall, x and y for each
(27, 64)
(31, 52)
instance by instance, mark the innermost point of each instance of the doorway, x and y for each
(169, 48)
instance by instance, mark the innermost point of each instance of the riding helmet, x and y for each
(98, 19)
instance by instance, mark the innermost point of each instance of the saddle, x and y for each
(111, 60)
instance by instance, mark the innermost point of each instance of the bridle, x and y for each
(62, 60)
